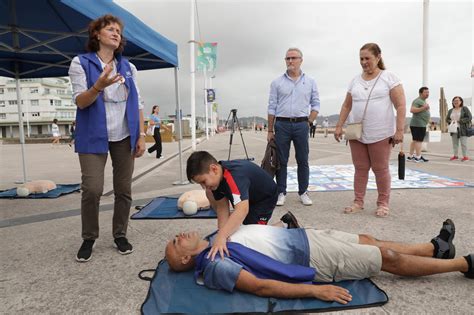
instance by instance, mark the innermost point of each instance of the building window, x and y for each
(51, 102)
(3, 116)
(34, 90)
(57, 102)
(34, 102)
(35, 114)
(46, 91)
(1, 91)
(2, 103)
(11, 90)
(61, 91)
(12, 102)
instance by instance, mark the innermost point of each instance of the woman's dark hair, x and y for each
(153, 109)
(460, 98)
(376, 51)
(98, 24)
(198, 164)
(55, 121)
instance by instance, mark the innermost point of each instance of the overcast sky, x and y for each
(253, 36)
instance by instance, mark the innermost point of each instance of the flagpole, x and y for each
(193, 78)
(426, 20)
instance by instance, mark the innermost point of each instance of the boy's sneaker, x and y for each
(305, 199)
(464, 159)
(281, 199)
(422, 159)
(290, 220)
(85, 252)
(443, 243)
(470, 262)
(123, 246)
(454, 157)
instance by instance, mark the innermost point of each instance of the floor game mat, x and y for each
(165, 208)
(341, 177)
(172, 292)
(55, 193)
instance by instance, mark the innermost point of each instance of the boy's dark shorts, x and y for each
(418, 133)
(258, 216)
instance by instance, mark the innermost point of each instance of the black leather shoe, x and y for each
(290, 219)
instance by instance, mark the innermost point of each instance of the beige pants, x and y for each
(338, 256)
(92, 186)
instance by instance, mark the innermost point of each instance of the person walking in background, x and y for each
(155, 123)
(326, 127)
(72, 130)
(55, 132)
(380, 128)
(312, 130)
(420, 119)
(461, 116)
(109, 119)
(292, 107)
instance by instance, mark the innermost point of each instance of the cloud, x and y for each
(253, 36)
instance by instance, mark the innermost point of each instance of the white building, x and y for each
(42, 100)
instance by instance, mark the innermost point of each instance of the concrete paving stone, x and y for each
(38, 273)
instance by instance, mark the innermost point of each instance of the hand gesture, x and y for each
(338, 133)
(219, 246)
(140, 147)
(105, 79)
(427, 106)
(332, 293)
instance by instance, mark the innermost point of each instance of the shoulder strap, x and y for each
(368, 98)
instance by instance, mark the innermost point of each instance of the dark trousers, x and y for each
(157, 146)
(285, 132)
(312, 131)
(92, 186)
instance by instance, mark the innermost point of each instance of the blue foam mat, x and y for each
(61, 189)
(172, 292)
(166, 208)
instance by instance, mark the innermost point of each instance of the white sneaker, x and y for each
(281, 199)
(305, 199)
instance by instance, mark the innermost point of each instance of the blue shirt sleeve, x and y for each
(273, 99)
(315, 103)
(221, 274)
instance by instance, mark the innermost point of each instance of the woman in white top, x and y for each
(380, 129)
(461, 116)
(55, 132)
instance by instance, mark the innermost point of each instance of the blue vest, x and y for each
(91, 123)
(258, 264)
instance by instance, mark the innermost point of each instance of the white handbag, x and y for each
(354, 130)
(453, 127)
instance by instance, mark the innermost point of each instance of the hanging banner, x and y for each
(207, 56)
(210, 95)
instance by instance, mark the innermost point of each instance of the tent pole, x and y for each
(180, 130)
(20, 122)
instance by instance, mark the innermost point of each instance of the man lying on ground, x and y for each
(275, 262)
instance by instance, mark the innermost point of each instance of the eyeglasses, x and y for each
(292, 58)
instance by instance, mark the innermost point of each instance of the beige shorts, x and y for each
(338, 256)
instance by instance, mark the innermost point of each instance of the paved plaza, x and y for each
(40, 237)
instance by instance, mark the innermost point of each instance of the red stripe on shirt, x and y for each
(232, 185)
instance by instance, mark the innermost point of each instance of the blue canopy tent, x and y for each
(39, 38)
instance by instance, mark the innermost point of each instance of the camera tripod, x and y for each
(233, 122)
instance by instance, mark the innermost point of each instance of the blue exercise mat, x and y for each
(55, 193)
(166, 208)
(172, 292)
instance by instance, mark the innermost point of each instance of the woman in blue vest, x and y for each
(109, 119)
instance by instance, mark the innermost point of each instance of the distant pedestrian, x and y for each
(461, 116)
(419, 120)
(326, 127)
(293, 105)
(380, 129)
(312, 130)
(155, 123)
(55, 132)
(72, 130)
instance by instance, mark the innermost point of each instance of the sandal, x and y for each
(354, 208)
(382, 212)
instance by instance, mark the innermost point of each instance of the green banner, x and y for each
(207, 57)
